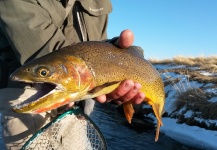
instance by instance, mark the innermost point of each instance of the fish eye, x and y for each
(42, 72)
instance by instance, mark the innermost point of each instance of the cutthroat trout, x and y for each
(87, 70)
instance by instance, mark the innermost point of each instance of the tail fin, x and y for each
(155, 107)
(157, 131)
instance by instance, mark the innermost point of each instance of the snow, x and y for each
(188, 114)
(206, 121)
(209, 84)
(205, 73)
(168, 66)
(162, 67)
(169, 75)
(213, 100)
(190, 135)
(212, 90)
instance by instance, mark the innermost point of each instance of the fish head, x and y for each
(58, 80)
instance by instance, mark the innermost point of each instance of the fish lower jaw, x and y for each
(18, 108)
(27, 106)
(52, 100)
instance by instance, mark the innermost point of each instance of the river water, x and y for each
(1, 141)
(120, 135)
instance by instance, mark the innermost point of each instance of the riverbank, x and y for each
(190, 135)
(191, 100)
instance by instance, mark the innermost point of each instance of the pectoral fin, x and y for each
(128, 111)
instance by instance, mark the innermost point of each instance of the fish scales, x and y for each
(90, 69)
(111, 64)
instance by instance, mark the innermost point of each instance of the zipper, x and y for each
(81, 23)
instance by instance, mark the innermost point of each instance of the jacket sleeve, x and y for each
(33, 27)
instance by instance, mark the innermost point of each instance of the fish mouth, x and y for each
(42, 90)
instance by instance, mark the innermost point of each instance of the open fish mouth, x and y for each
(42, 90)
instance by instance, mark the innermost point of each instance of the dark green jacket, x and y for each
(37, 27)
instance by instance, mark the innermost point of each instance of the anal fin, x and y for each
(101, 90)
(128, 111)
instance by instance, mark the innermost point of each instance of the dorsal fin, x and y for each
(137, 51)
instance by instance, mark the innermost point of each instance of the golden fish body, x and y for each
(87, 70)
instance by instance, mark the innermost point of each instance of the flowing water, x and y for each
(120, 135)
(1, 141)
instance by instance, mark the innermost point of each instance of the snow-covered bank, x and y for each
(174, 123)
(190, 135)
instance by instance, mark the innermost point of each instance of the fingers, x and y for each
(133, 95)
(70, 105)
(132, 92)
(121, 90)
(125, 39)
(101, 98)
(126, 91)
(139, 98)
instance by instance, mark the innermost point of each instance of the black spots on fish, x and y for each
(153, 88)
(135, 77)
(87, 58)
(103, 77)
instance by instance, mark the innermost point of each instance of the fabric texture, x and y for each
(18, 128)
(37, 27)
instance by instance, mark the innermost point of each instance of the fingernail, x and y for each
(135, 89)
(142, 97)
(127, 86)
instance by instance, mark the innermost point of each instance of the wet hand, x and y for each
(127, 90)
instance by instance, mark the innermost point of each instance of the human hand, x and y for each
(127, 90)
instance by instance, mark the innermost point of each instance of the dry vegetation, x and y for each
(208, 64)
(205, 63)
(195, 100)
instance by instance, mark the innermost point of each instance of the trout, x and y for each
(87, 70)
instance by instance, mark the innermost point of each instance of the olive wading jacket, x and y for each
(34, 28)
